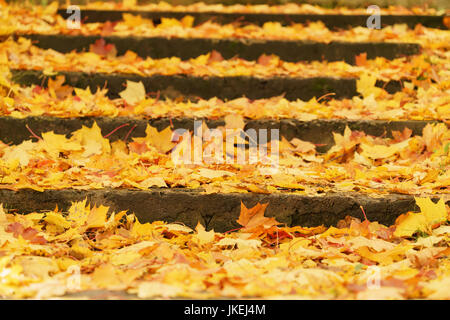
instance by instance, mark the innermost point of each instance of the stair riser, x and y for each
(332, 21)
(186, 48)
(217, 211)
(13, 130)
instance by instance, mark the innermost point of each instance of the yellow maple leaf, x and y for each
(91, 140)
(134, 93)
(234, 121)
(97, 217)
(56, 143)
(57, 219)
(21, 153)
(51, 9)
(430, 214)
(381, 152)
(384, 257)
(204, 236)
(366, 85)
(161, 140)
(129, 3)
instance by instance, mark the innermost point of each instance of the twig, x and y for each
(123, 125)
(129, 132)
(364, 213)
(233, 230)
(326, 95)
(32, 133)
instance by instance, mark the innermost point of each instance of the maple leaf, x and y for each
(366, 85)
(30, 234)
(135, 20)
(215, 56)
(400, 136)
(90, 139)
(431, 215)
(254, 218)
(381, 151)
(361, 59)
(108, 28)
(134, 93)
(446, 21)
(55, 143)
(204, 236)
(56, 88)
(161, 140)
(101, 48)
(234, 121)
(264, 59)
(97, 217)
(432, 135)
(138, 147)
(129, 3)
(302, 146)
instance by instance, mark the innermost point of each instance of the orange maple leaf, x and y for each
(102, 48)
(446, 21)
(254, 218)
(361, 59)
(215, 56)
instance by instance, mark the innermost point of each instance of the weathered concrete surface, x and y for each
(332, 21)
(13, 130)
(217, 211)
(175, 86)
(186, 48)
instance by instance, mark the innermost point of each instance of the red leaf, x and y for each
(29, 233)
(215, 57)
(108, 28)
(101, 48)
(37, 90)
(264, 59)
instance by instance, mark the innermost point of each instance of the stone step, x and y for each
(332, 21)
(217, 211)
(249, 49)
(320, 132)
(174, 86)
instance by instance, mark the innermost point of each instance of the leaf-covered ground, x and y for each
(48, 22)
(291, 8)
(44, 255)
(55, 253)
(16, 54)
(357, 162)
(430, 101)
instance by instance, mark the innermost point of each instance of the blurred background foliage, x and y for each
(440, 4)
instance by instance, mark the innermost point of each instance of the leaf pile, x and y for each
(290, 8)
(17, 56)
(429, 102)
(356, 162)
(44, 255)
(131, 25)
